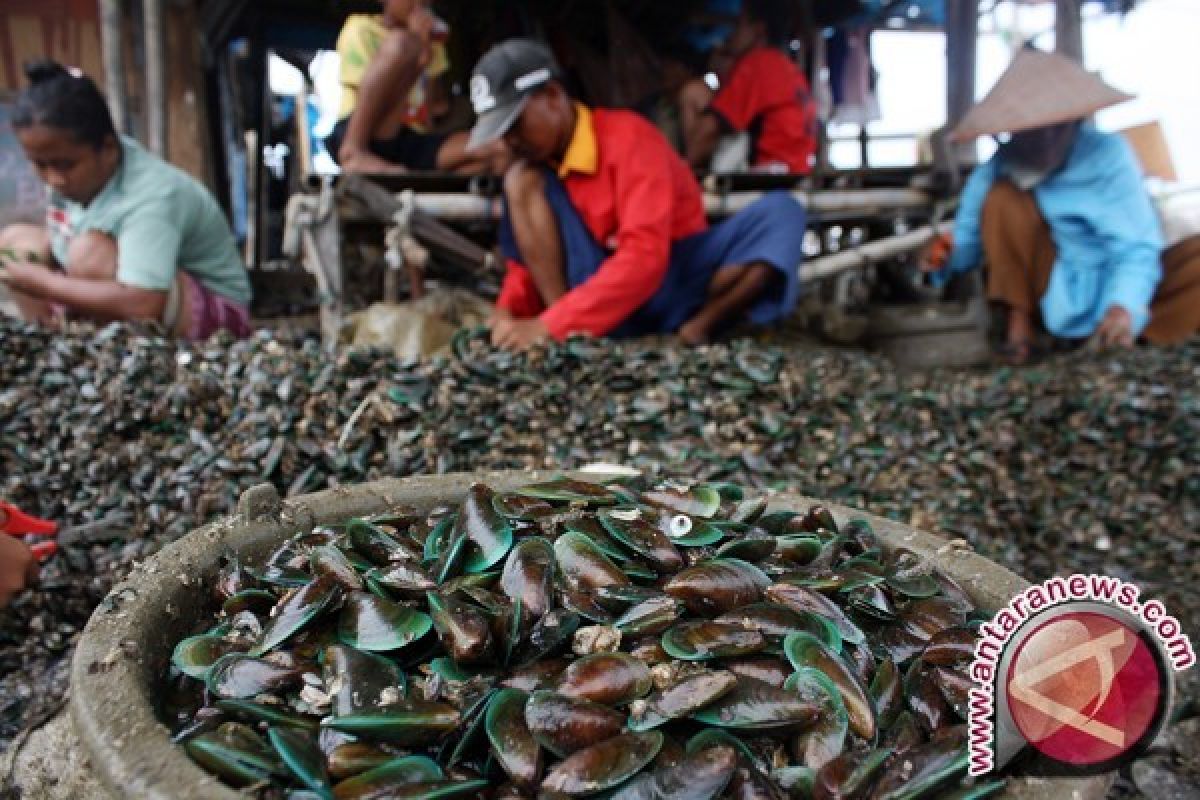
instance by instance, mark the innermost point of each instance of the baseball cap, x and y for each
(501, 85)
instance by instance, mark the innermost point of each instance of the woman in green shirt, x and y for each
(127, 236)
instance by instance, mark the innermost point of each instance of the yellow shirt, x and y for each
(357, 44)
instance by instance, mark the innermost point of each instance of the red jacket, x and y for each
(636, 196)
(767, 94)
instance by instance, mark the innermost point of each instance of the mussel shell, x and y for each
(374, 624)
(754, 705)
(799, 598)
(374, 543)
(391, 775)
(654, 615)
(716, 586)
(242, 676)
(886, 692)
(645, 540)
(236, 753)
(607, 678)
(297, 610)
(849, 775)
(951, 647)
(565, 724)
(529, 576)
(766, 669)
(700, 776)
(353, 758)
(925, 698)
(924, 769)
(402, 578)
(583, 565)
(360, 681)
(806, 650)
(406, 723)
(489, 533)
(567, 490)
(686, 697)
(329, 560)
(605, 765)
(514, 747)
(463, 630)
(776, 621)
(270, 713)
(699, 501)
(825, 740)
(195, 655)
(299, 752)
(703, 640)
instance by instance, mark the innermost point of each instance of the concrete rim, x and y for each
(124, 650)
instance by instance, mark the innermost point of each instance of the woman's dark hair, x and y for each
(57, 98)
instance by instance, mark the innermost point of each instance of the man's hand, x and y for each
(18, 567)
(517, 334)
(1116, 329)
(935, 254)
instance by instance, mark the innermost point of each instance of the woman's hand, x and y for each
(18, 567)
(1116, 329)
(23, 277)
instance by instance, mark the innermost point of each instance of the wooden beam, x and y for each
(156, 77)
(962, 32)
(1068, 28)
(114, 63)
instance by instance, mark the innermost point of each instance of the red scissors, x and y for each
(16, 522)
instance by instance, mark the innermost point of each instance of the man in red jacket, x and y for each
(763, 93)
(604, 229)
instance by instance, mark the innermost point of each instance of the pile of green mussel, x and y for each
(577, 638)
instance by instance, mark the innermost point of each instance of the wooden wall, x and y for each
(66, 30)
(69, 32)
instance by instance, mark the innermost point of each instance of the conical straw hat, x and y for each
(1037, 89)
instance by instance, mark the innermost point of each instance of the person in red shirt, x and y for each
(764, 93)
(604, 231)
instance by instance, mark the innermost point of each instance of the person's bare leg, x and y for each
(382, 97)
(732, 290)
(491, 159)
(536, 230)
(92, 256)
(694, 97)
(29, 239)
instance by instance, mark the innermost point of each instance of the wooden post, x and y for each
(114, 63)
(962, 30)
(1068, 29)
(156, 77)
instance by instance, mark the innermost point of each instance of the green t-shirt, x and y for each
(163, 220)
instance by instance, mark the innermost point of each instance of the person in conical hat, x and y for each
(1062, 220)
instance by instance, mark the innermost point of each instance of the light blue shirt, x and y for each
(1104, 227)
(163, 220)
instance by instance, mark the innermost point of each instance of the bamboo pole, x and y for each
(114, 63)
(156, 77)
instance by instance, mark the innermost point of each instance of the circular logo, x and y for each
(1085, 688)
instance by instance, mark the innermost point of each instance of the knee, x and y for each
(522, 181)
(23, 235)
(400, 49)
(695, 94)
(93, 256)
